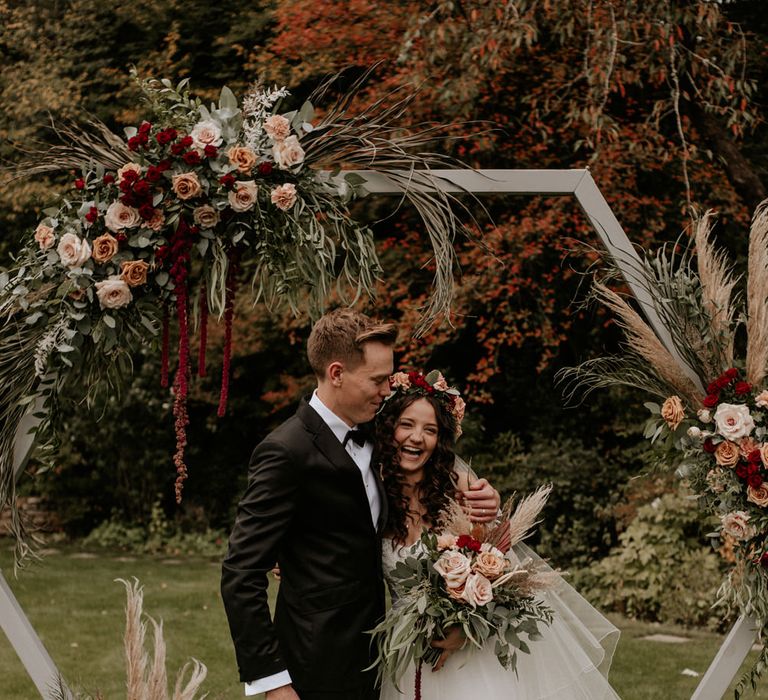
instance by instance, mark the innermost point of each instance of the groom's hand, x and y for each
(284, 692)
(482, 501)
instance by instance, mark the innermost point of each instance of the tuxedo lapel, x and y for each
(324, 439)
(383, 511)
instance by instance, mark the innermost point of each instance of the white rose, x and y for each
(119, 216)
(733, 421)
(477, 590)
(704, 415)
(113, 293)
(73, 251)
(206, 133)
(737, 525)
(288, 153)
(454, 567)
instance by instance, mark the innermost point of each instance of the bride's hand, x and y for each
(482, 501)
(453, 641)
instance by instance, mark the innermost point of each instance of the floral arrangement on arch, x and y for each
(710, 420)
(196, 204)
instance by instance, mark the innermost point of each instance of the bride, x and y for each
(415, 434)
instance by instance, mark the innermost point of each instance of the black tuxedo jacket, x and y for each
(306, 508)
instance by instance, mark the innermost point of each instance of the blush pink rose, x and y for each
(244, 197)
(206, 133)
(478, 590)
(454, 567)
(44, 236)
(288, 153)
(119, 216)
(278, 128)
(284, 196)
(73, 251)
(113, 293)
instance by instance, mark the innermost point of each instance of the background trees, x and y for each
(660, 99)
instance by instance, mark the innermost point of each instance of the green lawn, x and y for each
(78, 611)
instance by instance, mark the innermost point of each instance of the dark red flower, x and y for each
(128, 199)
(709, 446)
(145, 127)
(142, 188)
(146, 211)
(108, 179)
(722, 382)
(755, 481)
(178, 148)
(754, 457)
(752, 468)
(228, 180)
(92, 215)
(186, 141)
(468, 542)
(711, 400)
(164, 165)
(192, 158)
(732, 373)
(153, 173)
(764, 559)
(265, 168)
(166, 136)
(134, 143)
(713, 388)
(125, 186)
(121, 237)
(741, 471)
(742, 388)
(129, 176)
(80, 184)
(210, 151)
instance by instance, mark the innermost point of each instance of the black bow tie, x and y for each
(357, 435)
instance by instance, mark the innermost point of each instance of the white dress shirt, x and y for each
(361, 455)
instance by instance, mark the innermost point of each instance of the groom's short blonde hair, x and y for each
(339, 336)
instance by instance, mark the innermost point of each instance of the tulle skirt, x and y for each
(570, 662)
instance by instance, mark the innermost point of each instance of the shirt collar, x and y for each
(338, 427)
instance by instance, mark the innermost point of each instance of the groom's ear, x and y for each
(334, 373)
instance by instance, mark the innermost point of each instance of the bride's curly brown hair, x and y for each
(440, 480)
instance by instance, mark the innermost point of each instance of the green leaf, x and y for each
(108, 320)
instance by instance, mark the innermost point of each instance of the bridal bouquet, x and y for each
(710, 420)
(458, 576)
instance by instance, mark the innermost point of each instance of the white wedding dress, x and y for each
(571, 662)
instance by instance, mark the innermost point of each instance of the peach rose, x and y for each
(400, 380)
(186, 185)
(135, 167)
(277, 127)
(761, 399)
(206, 133)
(288, 153)
(747, 445)
(284, 196)
(489, 564)
(113, 293)
(672, 412)
(733, 421)
(206, 216)
(119, 216)
(73, 251)
(457, 593)
(764, 453)
(243, 158)
(477, 590)
(244, 197)
(758, 496)
(458, 408)
(44, 236)
(446, 541)
(104, 248)
(727, 454)
(134, 273)
(454, 567)
(157, 221)
(737, 525)
(441, 384)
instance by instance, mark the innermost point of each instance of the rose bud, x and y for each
(108, 179)
(80, 184)
(265, 168)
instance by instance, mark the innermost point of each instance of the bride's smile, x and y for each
(416, 435)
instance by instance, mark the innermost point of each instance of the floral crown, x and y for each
(431, 384)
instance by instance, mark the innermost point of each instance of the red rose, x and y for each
(134, 143)
(121, 237)
(752, 468)
(265, 168)
(228, 180)
(125, 186)
(153, 173)
(142, 188)
(145, 128)
(164, 165)
(709, 446)
(129, 176)
(178, 148)
(755, 481)
(713, 387)
(741, 471)
(467, 542)
(128, 199)
(92, 215)
(754, 456)
(166, 136)
(80, 184)
(742, 388)
(732, 373)
(211, 151)
(764, 559)
(146, 211)
(711, 400)
(108, 179)
(722, 382)
(192, 158)
(186, 141)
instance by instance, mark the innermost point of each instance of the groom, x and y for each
(315, 504)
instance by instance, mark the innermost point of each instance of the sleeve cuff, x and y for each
(262, 685)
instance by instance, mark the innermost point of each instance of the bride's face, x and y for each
(416, 433)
